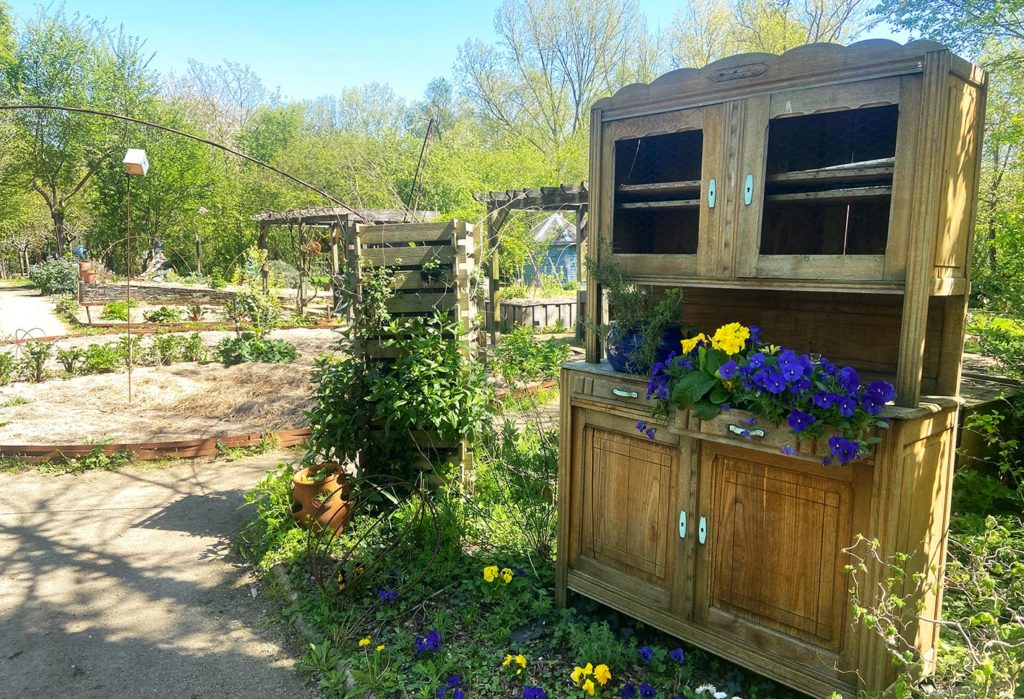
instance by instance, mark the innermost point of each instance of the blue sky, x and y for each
(309, 48)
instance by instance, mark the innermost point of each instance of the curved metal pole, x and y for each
(184, 134)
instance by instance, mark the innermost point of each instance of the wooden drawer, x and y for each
(626, 391)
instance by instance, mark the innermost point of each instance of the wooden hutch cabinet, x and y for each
(827, 196)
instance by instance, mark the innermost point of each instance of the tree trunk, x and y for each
(59, 231)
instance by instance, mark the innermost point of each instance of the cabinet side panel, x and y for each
(924, 520)
(959, 176)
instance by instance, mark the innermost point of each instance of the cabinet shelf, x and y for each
(670, 204)
(849, 172)
(845, 193)
(660, 187)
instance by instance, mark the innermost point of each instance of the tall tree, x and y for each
(222, 97)
(706, 30)
(964, 25)
(72, 61)
(552, 61)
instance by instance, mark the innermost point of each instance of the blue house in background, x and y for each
(560, 258)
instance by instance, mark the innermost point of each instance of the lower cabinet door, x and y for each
(626, 508)
(771, 566)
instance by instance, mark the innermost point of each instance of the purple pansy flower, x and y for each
(534, 693)
(799, 420)
(728, 370)
(647, 691)
(756, 360)
(788, 450)
(775, 383)
(386, 596)
(824, 399)
(845, 450)
(678, 655)
(646, 653)
(627, 691)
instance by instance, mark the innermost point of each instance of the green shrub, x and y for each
(129, 350)
(7, 367)
(71, 359)
(67, 307)
(193, 349)
(116, 310)
(251, 348)
(56, 276)
(515, 290)
(163, 315)
(34, 356)
(195, 313)
(166, 349)
(520, 357)
(101, 358)
(1002, 338)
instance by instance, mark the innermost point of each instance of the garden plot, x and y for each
(181, 401)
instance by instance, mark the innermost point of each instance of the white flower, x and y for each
(705, 688)
(721, 695)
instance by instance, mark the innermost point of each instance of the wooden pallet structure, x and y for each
(434, 265)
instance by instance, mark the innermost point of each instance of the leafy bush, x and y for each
(129, 350)
(166, 349)
(102, 358)
(163, 315)
(283, 274)
(516, 478)
(195, 313)
(1002, 338)
(520, 357)
(56, 276)
(193, 349)
(515, 290)
(7, 366)
(71, 359)
(67, 307)
(34, 356)
(251, 348)
(116, 310)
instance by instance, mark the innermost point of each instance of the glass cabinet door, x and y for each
(826, 185)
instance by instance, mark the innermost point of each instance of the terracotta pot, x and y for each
(320, 503)
(88, 276)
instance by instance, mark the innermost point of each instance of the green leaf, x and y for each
(692, 387)
(719, 395)
(705, 410)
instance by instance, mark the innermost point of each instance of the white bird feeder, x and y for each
(136, 162)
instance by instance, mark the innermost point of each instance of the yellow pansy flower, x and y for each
(491, 573)
(364, 642)
(577, 674)
(589, 687)
(380, 648)
(689, 343)
(521, 660)
(602, 674)
(506, 575)
(508, 661)
(730, 338)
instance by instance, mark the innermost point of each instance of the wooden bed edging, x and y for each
(152, 451)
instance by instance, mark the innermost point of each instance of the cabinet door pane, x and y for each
(628, 503)
(776, 548)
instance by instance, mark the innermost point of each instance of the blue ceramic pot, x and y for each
(620, 348)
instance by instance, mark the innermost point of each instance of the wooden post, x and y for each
(264, 245)
(594, 310)
(495, 220)
(335, 263)
(300, 301)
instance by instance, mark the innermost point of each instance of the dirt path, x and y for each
(122, 584)
(25, 309)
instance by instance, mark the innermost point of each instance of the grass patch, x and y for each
(411, 601)
(14, 402)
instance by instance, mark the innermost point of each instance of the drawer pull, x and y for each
(624, 394)
(702, 529)
(748, 190)
(744, 432)
(682, 525)
(711, 193)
